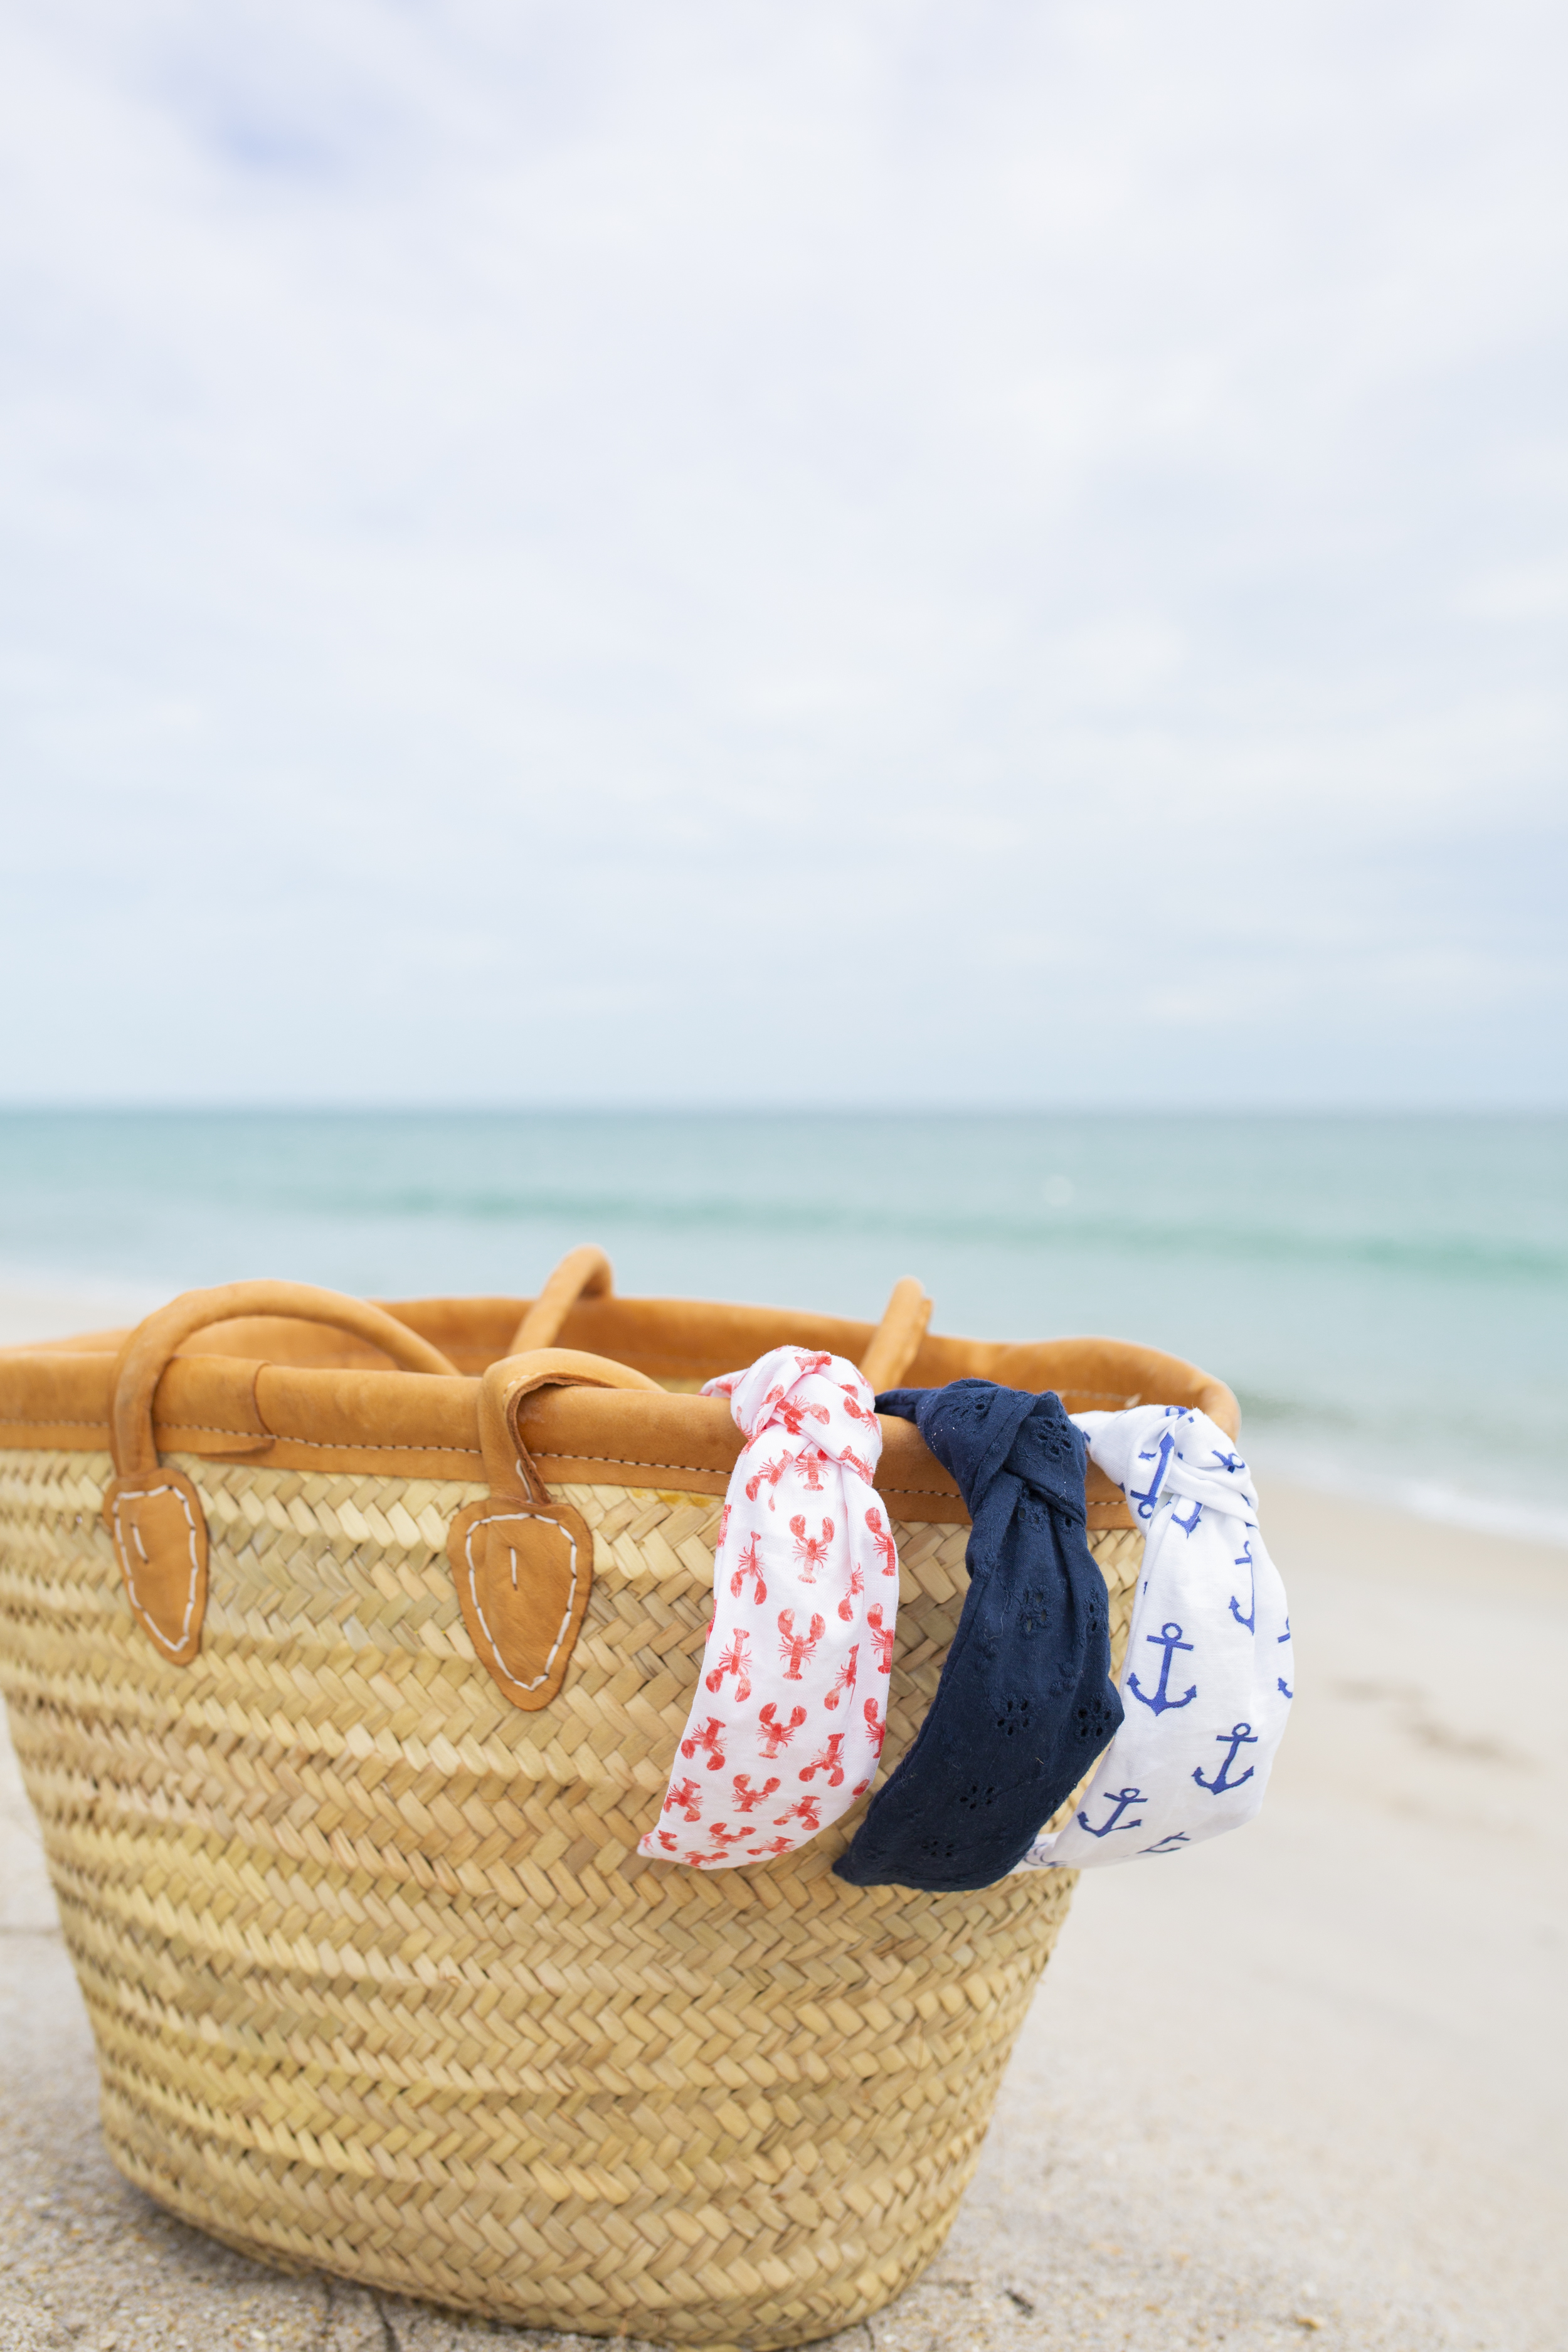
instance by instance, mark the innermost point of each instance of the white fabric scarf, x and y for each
(792, 1702)
(1207, 1680)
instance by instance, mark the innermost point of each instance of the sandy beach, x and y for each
(1308, 2081)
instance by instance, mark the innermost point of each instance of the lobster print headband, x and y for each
(1207, 1680)
(792, 1702)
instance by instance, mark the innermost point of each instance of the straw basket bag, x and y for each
(342, 1816)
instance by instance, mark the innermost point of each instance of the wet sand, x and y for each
(1309, 2083)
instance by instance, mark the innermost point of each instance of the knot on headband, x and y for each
(814, 1403)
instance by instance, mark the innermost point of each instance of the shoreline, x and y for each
(1410, 1497)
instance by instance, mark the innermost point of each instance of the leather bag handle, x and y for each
(582, 1273)
(144, 1357)
(153, 1514)
(895, 1341)
(522, 1561)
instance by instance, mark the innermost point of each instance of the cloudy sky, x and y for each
(832, 550)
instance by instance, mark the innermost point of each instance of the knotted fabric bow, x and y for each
(1026, 1702)
(792, 1702)
(1207, 1680)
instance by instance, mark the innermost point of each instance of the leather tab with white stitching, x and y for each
(523, 1570)
(160, 1539)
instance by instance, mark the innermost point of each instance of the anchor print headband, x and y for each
(792, 1701)
(1207, 1680)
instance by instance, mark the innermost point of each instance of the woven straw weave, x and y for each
(378, 1981)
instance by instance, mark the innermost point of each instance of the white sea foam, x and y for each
(1487, 1511)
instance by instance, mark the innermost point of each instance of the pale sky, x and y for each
(819, 552)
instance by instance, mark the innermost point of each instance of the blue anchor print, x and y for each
(1169, 1639)
(1146, 1502)
(1231, 1462)
(1119, 1801)
(1284, 1686)
(1284, 1636)
(1186, 1526)
(1244, 1560)
(1166, 1844)
(1240, 1736)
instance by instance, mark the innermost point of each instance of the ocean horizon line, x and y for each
(1216, 1109)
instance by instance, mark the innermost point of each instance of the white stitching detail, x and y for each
(335, 1446)
(701, 1470)
(211, 1428)
(492, 1519)
(48, 1421)
(146, 1494)
(341, 1446)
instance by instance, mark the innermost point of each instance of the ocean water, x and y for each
(1388, 1296)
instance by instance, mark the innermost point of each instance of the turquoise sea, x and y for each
(1389, 1297)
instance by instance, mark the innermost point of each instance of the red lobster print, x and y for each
(856, 1411)
(805, 1367)
(857, 1586)
(884, 1637)
(828, 1762)
(735, 1662)
(684, 1797)
(669, 1840)
(768, 1475)
(722, 1831)
(793, 1416)
(809, 1810)
(777, 1845)
(852, 1461)
(887, 1549)
(778, 1735)
(723, 1526)
(811, 1551)
(846, 1682)
(877, 1724)
(749, 1564)
(795, 1648)
(748, 1798)
(811, 1462)
(709, 1735)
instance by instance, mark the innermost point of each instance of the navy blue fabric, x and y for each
(1026, 1702)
